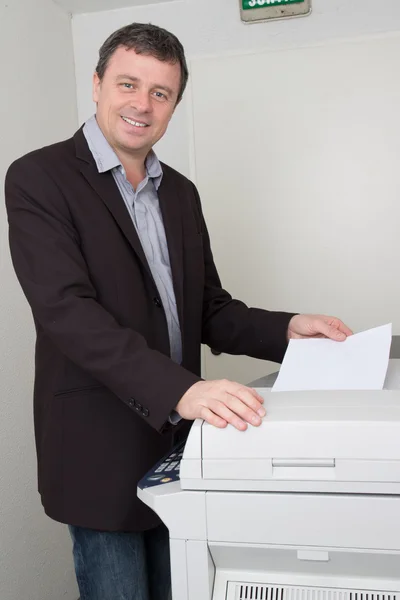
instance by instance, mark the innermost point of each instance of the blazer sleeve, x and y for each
(46, 255)
(232, 327)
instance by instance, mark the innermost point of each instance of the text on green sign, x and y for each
(248, 4)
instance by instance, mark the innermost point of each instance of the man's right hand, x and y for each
(221, 402)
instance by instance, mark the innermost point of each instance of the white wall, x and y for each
(37, 106)
(210, 28)
(305, 170)
(213, 27)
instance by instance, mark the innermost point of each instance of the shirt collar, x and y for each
(105, 157)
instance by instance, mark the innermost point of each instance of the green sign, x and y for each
(249, 4)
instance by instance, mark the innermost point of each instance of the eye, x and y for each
(127, 86)
(160, 96)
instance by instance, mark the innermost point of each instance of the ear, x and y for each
(96, 88)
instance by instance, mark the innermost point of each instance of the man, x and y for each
(113, 255)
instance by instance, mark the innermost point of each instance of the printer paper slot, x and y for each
(303, 462)
(304, 469)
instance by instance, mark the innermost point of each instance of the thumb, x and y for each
(334, 334)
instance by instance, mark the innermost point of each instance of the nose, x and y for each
(141, 101)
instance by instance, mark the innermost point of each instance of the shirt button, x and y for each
(157, 302)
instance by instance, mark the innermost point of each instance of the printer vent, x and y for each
(242, 591)
(260, 592)
(371, 596)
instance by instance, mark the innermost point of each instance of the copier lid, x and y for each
(334, 437)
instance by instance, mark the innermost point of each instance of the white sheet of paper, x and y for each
(358, 363)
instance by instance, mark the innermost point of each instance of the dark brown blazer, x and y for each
(104, 382)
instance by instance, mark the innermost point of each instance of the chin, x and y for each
(132, 147)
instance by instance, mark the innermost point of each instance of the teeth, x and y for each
(134, 122)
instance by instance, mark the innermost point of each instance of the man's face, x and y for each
(135, 100)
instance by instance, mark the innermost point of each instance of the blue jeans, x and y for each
(122, 566)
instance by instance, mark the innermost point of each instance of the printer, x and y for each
(304, 507)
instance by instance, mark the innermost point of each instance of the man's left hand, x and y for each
(317, 326)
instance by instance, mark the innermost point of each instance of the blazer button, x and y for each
(131, 402)
(145, 412)
(157, 302)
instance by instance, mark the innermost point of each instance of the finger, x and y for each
(253, 401)
(223, 411)
(342, 327)
(249, 395)
(230, 404)
(256, 395)
(207, 415)
(329, 330)
(337, 323)
(241, 409)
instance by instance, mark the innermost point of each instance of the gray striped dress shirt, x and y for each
(144, 209)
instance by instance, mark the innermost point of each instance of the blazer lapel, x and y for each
(104, 185)
(172, 216)
(106, 188)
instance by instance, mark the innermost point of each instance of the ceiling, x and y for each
(84, 6)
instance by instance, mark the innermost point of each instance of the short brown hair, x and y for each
(147, 39)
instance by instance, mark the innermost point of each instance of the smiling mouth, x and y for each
(134, 123)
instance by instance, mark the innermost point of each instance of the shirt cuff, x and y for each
(174, 418)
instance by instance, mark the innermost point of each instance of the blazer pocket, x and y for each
(88, 388)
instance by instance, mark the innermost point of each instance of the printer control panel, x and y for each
(166, 470)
